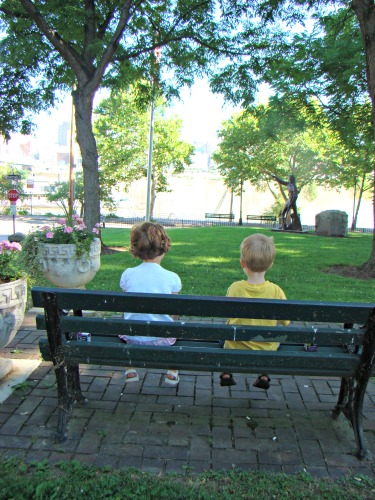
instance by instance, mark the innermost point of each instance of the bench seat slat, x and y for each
(210, 331)
(212, 358)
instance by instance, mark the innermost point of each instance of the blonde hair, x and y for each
(148, 241)
(258, 252)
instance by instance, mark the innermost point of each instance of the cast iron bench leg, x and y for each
(353, 390)
(357, 421)
(343, 396)
(74, 385)
(63, 403)
(362, 377)
(55, 344)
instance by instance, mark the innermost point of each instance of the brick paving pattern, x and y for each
(198, 426)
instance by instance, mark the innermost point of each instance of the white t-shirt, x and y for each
(149, 277)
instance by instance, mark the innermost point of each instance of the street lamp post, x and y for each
(241, 187)
(149, 169)
(157, 53)
(71, 164)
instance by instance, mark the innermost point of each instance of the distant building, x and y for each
(63, 134)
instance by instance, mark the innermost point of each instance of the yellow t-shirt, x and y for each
(266, 290)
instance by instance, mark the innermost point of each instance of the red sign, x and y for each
(13, 195)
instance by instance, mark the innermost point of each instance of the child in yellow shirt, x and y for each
(257, 256)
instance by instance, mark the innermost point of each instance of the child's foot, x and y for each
(227, 379)
(131, 375)
(172, 378)
(262, 382)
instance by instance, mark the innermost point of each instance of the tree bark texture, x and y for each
(83, 103)
(365, 12)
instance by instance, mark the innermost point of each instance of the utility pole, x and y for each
(71, 165)
(157, 53)
(149, 169)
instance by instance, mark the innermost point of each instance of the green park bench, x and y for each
(261, 218)
(345, 347)
(210, 215)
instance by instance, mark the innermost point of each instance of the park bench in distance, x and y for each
(345, 350)
(261, 218)
(219, 216)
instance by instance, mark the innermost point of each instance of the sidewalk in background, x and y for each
(198, 426)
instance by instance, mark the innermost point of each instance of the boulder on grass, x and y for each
(331, 223)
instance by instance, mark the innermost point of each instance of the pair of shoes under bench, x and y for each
(174, 379)
(133, 378)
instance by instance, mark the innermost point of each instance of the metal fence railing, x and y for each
(187, 222)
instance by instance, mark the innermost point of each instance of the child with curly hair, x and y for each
(149, 242)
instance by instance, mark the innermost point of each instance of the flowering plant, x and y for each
(73, 232)
(67, 231)
(11, 267)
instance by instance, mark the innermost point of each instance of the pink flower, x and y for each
(95, 230)
(61, 221)
(77, 219)
(49, 235)
(45, 228)
(15, 246)
(68, 229)
(7, 245)
(97, 224)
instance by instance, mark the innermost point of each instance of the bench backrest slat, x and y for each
(207, 306)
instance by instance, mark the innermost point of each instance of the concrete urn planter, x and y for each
(62, 267)
(13, 298)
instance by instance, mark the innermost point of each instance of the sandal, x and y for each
(131, 375)
(261, 383)
(227, 379)
(172, 378)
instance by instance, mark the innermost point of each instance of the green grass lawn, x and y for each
(71, 480)
(207, 261)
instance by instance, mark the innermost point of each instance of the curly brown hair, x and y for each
(148, 241)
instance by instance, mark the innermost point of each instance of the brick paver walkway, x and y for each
(196, 427)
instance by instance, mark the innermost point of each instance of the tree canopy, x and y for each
(79, 46)
(280, 139)
(122, 131)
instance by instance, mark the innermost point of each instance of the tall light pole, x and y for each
(71, 164)
(157, 53)
(241, 186)
(149, 168)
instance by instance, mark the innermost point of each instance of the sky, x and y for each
(202, 113)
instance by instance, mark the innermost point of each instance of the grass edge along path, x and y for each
(71, 479)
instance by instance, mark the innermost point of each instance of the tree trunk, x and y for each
(360, 195)
(365, 12)
(83, 103)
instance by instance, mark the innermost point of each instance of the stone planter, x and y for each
(64, 269)
(13, 298)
